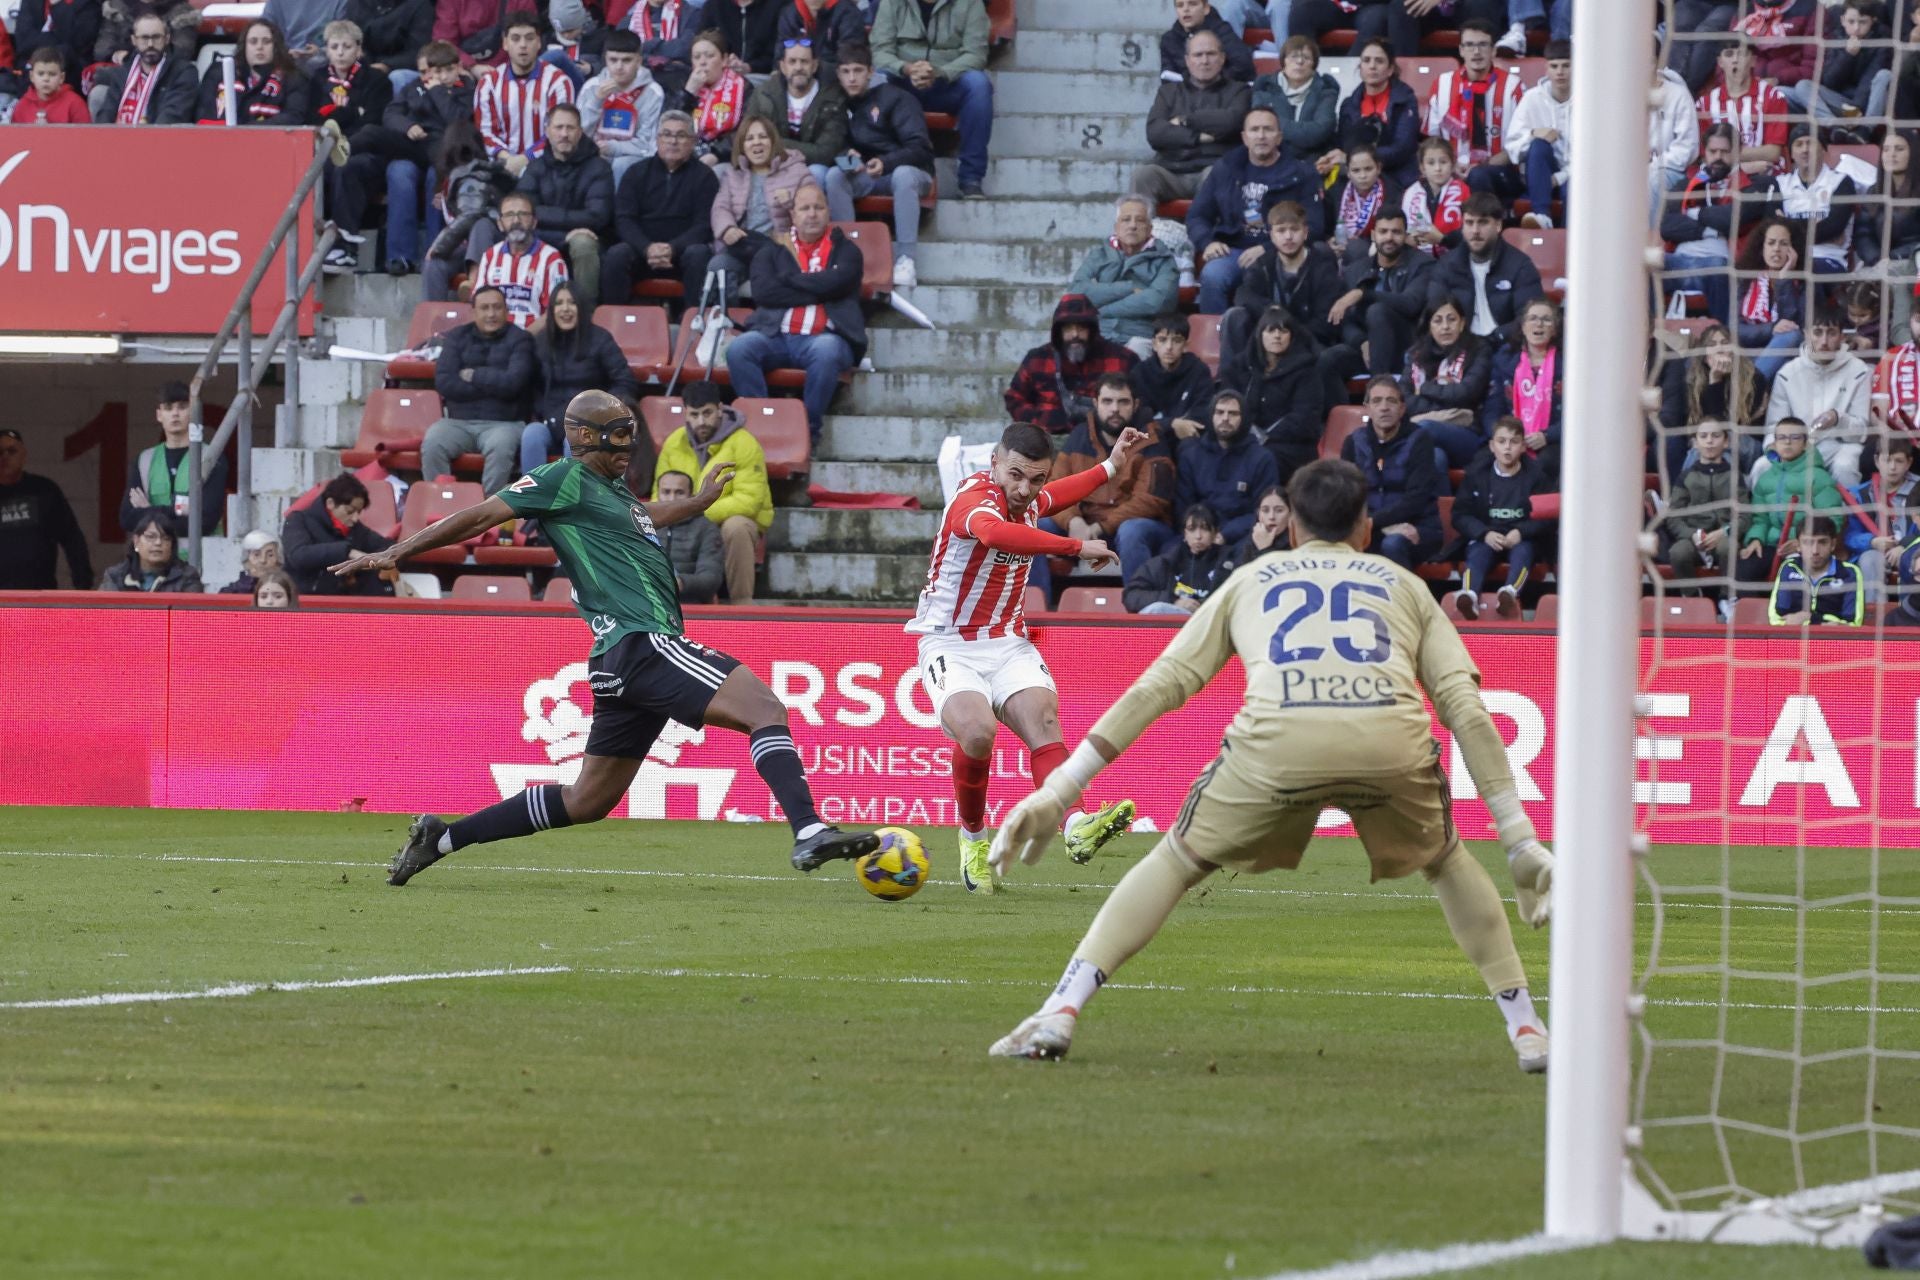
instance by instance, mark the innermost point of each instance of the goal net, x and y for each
(1773, 1020)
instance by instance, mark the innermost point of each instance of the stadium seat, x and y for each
(942, 122)
(1442, 570)
(1421, 71)
(1680, 331)
(425, 585)
(1091, 600)
(558, 589)
(1751, 611)
(1203, 339)
(494, 588)
(880, 208)
(429, 319)
(513, 552)
(1548, 250)
(1867, 151)
(392, 426)
(1001, 24)
(642, 335)
(1450, 605)
(1546, 610)
(1341, 423)
(1175, 209)
(430, 500)
(781, 428)
(381, 515)
(686, 341)
(875, 241)
(1678, 611)
(1034, 601)
(658, 287)
(662, 414)
(1530, 70)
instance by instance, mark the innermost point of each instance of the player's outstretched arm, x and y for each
(667, 514)
(1196, 655)
(458, 527)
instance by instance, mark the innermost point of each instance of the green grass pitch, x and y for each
(734, 1070)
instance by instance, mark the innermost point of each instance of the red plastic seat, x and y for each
(1421, 71)
(662, 414)
(686, 340)
(1530, 70)
(513, 552)
(1678, 611)
(643, 337)
(1442, 570)
(1546, 610)
(1751, 611)
(429, 319)
(558, 590)
(1203, 339)
(658, 287)
(1034, 601)
(1001, 24)
(881, 207)
(431, 500)
(1685, 328)
(494, 588)
(876, 256)
(1547, 249)
(1450, 605)
(781, 428)
(1091, 600)
(1175, 209)
(942, 122)
(1343, 421)
(392, 426)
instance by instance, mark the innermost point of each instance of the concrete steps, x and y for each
(946, 262)
(973, 306)
(899, 439)
(1047, 178)
(1116, 132)
(920, 479)
(1082, 51)
(944, 348)
(1138, 16)
(858, 532)
(1065, 92)
(864, 579)
(1076, 218)
(906, 392)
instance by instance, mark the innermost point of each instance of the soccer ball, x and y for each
(896, 869)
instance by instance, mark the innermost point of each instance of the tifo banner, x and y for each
(112, 229)
(397, 710)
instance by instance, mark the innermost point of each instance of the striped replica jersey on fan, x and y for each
(1758, 116)
(528, 279)
(511, 111)
(975, 591)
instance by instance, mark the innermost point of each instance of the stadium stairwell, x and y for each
(1064, 142)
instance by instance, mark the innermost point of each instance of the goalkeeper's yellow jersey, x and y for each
(1337, 644)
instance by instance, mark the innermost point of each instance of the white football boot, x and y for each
(1044, 1036)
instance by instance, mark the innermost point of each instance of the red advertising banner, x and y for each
(116, 229)
(1755, 740)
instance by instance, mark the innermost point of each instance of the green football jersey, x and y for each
(622, 579)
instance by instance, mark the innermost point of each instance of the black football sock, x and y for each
(778, 763)
(535, 809)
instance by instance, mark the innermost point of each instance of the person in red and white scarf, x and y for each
(1472, 107)
(511, 103)
(268, 86)
(1895, 404)
(715, 95)
(522, 267)
(806, 288)
(1433, 205)
(1755, 108)
(151, 86)
(666, 29)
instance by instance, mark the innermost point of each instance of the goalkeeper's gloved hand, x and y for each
(1532, 866)
(1027, 830)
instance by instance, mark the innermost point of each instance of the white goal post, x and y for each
(1595, 1190)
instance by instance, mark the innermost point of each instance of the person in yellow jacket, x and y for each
(714, 435)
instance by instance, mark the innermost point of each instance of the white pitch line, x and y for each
(234, 989)
(1405, 1265)
(1389, 895)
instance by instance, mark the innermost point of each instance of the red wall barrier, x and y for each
(400, 709)
(112, 230)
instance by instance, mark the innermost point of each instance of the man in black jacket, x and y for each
(1291, 272)
(70, 26)
(153, 86)
(35, 521)
(1386, 290)
(1190, 18)
(1403, 484)
(572, 190)
(1193, 122)
(752, 29)
(393, 31)
(807, 312)
(485, 377)
(887, 150)
(328, 532)
(1495, 301)
(664, 215)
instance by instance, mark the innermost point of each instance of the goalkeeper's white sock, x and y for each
(1516, 1006)
(1133, 913)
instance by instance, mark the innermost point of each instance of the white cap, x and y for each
(257, 539)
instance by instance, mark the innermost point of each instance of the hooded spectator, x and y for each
(1053, 387)
(1131, 278)
(1278, 377)
(152, 562)
(1193, 122)
(1225, 470)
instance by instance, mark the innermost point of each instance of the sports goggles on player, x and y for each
(615, 436)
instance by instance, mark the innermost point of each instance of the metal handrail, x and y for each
(239, 322)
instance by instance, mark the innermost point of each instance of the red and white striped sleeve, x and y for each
(489, 114)
(553, 270)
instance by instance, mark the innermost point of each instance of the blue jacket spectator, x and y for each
(1225, 469)
(1403, 485)
(1231, 206)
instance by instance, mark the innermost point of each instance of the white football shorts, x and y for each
(995, 669)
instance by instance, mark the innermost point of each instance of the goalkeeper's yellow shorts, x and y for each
(1247, 824)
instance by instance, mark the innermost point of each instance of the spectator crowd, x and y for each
(1300, 269)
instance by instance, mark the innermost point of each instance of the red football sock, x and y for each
(970, 789)
(1045, 760)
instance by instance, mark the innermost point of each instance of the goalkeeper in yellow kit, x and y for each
(1338, 645)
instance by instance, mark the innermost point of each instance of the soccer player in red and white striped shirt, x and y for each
(511, 103)
(1756, 109)
(976, 661)
(526, 269)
